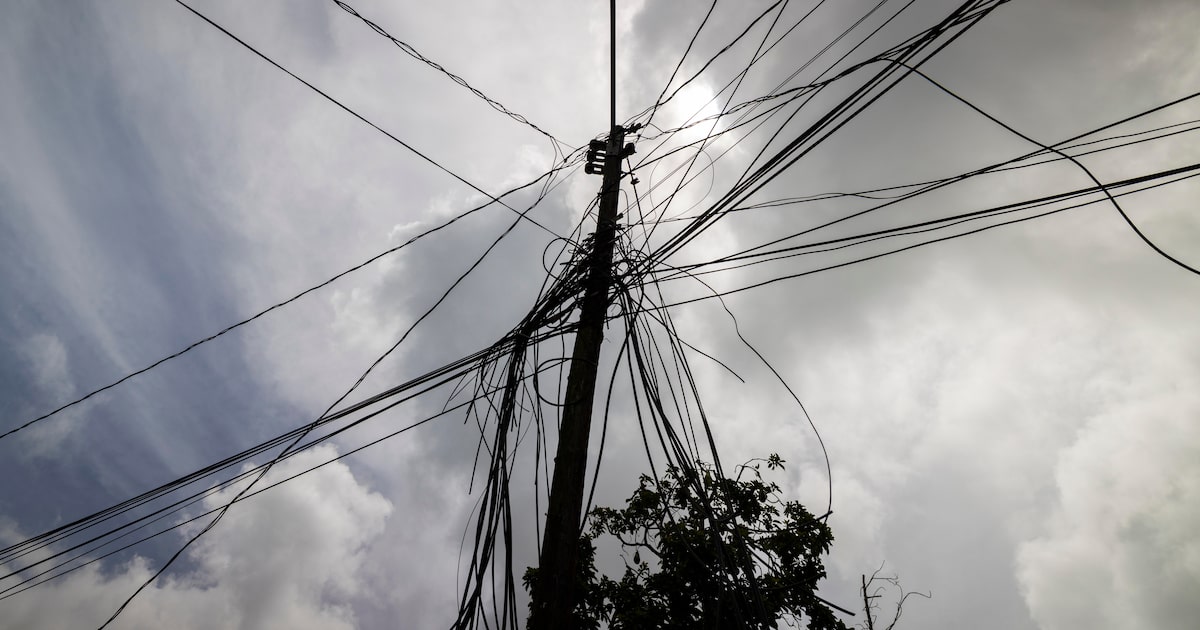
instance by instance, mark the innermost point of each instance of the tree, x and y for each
(707, 552)
(873, 588)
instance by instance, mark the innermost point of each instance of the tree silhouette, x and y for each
(706, 551)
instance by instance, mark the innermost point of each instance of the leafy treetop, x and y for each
(707, 552)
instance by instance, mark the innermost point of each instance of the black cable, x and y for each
(948, 221)
(357, 115)
(1073, 160)
(429, 381)
(336, 277)
(873, 194)
(520, 216)
(796, 92)
(1057, 148)
(938, 184)
(275, 306)
(778, 376)
(744, 182)
(5, 594)
(412, 52)
(692, 42)
(817, 132)
(888, 253)
(738, 84)
(724, 49)
(454, 367)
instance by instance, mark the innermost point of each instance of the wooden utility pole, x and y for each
(554, 594)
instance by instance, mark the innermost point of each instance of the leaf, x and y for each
(712, 538)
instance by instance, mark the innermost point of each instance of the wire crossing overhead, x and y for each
(412, 52)
(567, 162)
(625, 281)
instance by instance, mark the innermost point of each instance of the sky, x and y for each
(1011, 417)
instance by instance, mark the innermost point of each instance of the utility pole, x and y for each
(554, 595)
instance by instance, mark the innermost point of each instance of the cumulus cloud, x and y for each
(291, 557)
(1121, 547)
(1004, 431)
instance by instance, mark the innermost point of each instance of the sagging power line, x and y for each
(613, 278)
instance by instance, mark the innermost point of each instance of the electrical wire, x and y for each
(195, 344)
(357, 115)
(498, 387)
(877, 256)
(412, 52)
(1133, 226)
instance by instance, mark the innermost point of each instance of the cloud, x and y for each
(49, 369)
(1121, 547)
(292, 557)
(47, 357)
(982, 399)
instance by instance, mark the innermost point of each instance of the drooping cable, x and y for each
(1074, 160)
(521, 215)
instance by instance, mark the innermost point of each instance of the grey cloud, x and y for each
(974, 395)
(290, 558)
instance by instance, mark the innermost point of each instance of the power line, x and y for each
(1073, 160)
(736, 83)
(355, 114)
(493, 199)
(192, 499)
(877, 256)
(749, 106)
(437, 377)
(412, 52)
(285, 302)
(267, 468)
(941, 183)
(875, 193)
(1187, 172)
(658, 102)
(711, 59)
(796, 92)
(817, 132)
(806, 91)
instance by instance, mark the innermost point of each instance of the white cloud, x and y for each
(1122, 546)
(975, 413)
(49, 366)
(291, 557)
(47, 357)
